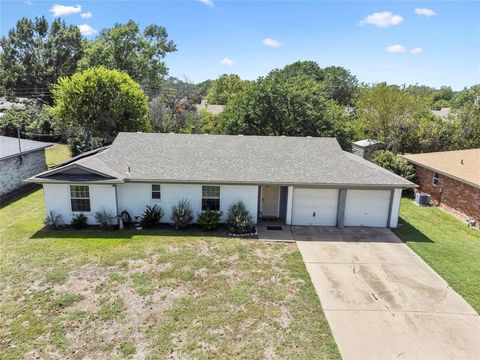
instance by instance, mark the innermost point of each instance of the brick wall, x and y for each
(16, 169)
(450, 193)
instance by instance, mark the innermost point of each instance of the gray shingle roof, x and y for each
(236, 159)
(9, 146)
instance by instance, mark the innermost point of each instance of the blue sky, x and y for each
(427, 42)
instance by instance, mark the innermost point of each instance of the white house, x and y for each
(300, 180)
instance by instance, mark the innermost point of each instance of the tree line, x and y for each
(89, 90)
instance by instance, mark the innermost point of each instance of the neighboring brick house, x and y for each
(452, 178)
(19, 162)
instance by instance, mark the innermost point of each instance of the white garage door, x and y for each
(314, 207)
(367, 208)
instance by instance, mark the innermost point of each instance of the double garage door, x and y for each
(319, 207)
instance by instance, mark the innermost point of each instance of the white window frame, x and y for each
(72, 197)
(210, 197)
(159, 191)
(435, 178)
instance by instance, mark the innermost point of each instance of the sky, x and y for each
(431, 43)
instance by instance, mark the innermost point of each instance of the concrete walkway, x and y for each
(382, 301)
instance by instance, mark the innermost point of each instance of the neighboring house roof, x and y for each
(17, 103)
(443, 112)
(231, 159)
(463, 165)
(212, 109)
(367, 142)
(9, 146)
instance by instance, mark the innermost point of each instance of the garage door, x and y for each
(367, 208)
(314, 207)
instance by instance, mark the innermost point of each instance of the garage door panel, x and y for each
(367, 208)
(314, 207)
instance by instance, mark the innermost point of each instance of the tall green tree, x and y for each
(101, 102)
(390, 114)
(292, 106)
(225, 88)
(125, 47)
(35, 54)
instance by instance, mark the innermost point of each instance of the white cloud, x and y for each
(28, 2)
(382, 19)
(416, 51)
(396, 49)
(62, 10)
(207, 2)
(272, 43)
(87, 30)
(86, 15)
(227, 61)
(425, 12)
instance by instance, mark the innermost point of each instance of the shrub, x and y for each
(182, 214)
(54, 221)
(394, 163)
(239, 219)
(103, 217)
(79, 221)
(152, 215)
(209, 219)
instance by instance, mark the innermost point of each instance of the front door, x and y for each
(270, 199)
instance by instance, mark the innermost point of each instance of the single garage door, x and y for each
(314, 207)
(367, 208)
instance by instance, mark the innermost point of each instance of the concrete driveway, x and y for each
(382, 301)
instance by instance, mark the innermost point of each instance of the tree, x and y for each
(390, 114)
(100, 101)
(469, 95)
(340, 85)
(394, 163)
(170, 111)
(34, 55)
(225, 88)
(34, 122)
(125, 47)
(467, 119)
(204, 87)
(292, 106)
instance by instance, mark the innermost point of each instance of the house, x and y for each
(300, 180)
(452, 178)
(365, 148)
(19, 160)
(210, 108)
(443, 112)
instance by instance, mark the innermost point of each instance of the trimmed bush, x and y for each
(79, 221)
(103, 218)
(239, 219)
(209, 219)
(152, 215)
(182, 214)
(394, 163)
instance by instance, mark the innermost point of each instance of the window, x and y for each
(435, 178)
(211, 198)
(80, 198)
(156, 194)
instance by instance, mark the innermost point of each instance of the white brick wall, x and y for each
(16, 169)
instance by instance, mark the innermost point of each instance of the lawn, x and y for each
(446, 244)
(56, 154)
(131, 294)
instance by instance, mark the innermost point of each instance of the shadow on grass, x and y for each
(123, 234)
(408, 233)
(18, 194)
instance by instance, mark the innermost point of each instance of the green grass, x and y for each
(91, 294)
(56, 154)
(446, 244)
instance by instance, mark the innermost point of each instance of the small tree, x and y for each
(101, 101)
(394, 163)
(239, 219)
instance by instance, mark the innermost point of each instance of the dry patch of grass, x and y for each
(145, 295)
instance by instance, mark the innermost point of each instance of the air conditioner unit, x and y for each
(422, 199)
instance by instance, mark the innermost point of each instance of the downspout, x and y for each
(116, 199)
